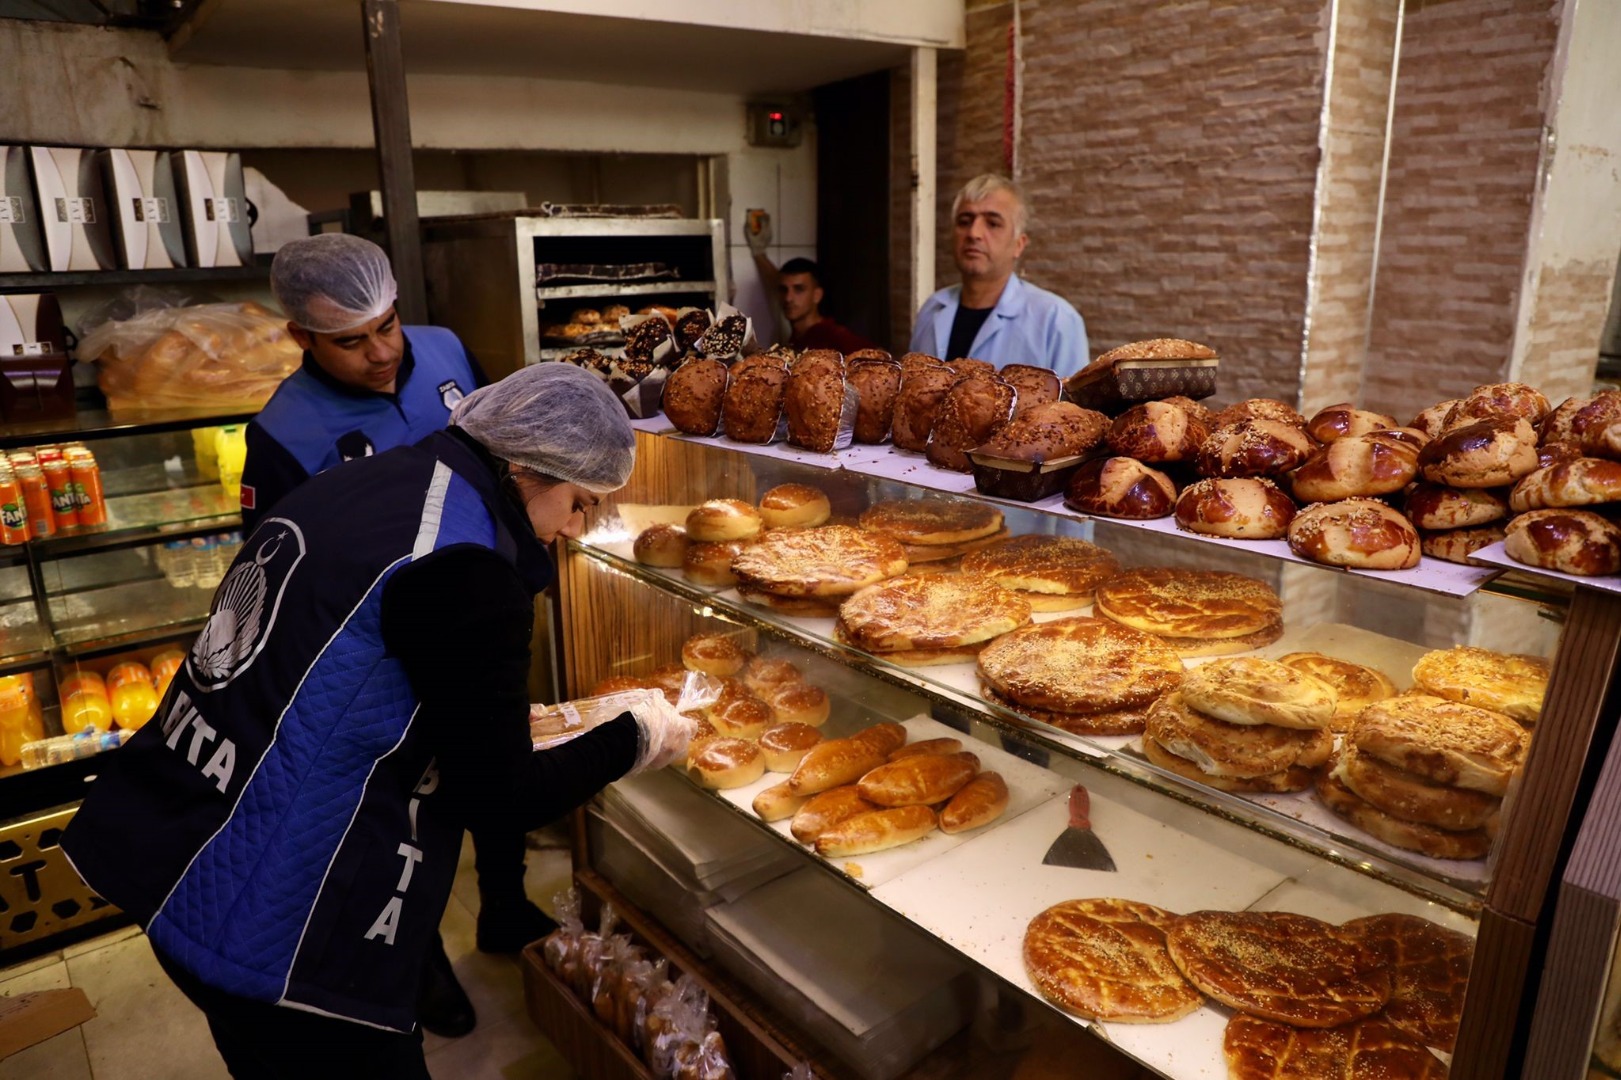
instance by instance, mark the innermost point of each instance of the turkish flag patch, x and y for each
(247, 496)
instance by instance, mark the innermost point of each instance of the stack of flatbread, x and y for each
(1243, 724)
(1196, 612)
(919, 620)
(935, 533)
(1083, 675)
(1051, 573)
(810, 571)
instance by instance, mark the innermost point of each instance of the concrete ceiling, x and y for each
(467, 39)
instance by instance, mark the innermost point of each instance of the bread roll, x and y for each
(1195, 409)
(927, 746)
(965, 366)
(920, 780)
(799, 703)
(1558, 454)
(1583, 482)
(740, 716)
(876, 830)
(826, 809)
(1338, 421)
(1120, 487)
(693, 395)
(728, 763)
(1154, 433)
(1355, 466)
(914, 362)
(878, 384)
(1570, 541)
(979, 802)
(662, 545)
(918, 404)
(1456, 545)
(835, 763)
(713, 654)
(970, 411)
(786, 744)
(815, 401)
(1258, 447)
(1361, 534)
(763, 674)
(887, 736)
(1248, 508)
(1260, 409)
(1558, 425)
(1436, 506)
(794, 506)
(1046, 432)
(1433, 420)
(752, 406)
(723, 519)
(711, 564)
(1412, 436)
(1487, 453)
(1499, 401)
(777, 803)
(1034, 385)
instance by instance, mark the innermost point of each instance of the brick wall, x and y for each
(1463, 160)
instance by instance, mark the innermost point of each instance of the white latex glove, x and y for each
(758, 241)
(662, 733)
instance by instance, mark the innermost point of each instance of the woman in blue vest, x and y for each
(287, 828)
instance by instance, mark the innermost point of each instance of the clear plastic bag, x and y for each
(186, 356)
(553, 725)
(561, 947)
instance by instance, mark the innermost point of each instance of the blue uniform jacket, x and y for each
(1029, 325)
(313, 422)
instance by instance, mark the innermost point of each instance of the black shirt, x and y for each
(964, 328)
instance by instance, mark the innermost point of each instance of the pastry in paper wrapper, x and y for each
(820, 403)
(752, 411)
(648, 338)
(730, 336)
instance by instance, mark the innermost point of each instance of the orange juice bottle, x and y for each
(164, 666)
(15, 719)
(134, 698)
(85, 703)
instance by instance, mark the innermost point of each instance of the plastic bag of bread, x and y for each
(711, 1063)
(192, 356)
(618, 953)
(681, 1020)
(649, 1019)
(634, 975)
(553, 725)
(561, 948)
(590, 961)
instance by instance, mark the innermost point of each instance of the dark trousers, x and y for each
(271, 1042)
(498, 854)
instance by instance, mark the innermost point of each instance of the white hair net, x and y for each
(332, 282)
(556, 419)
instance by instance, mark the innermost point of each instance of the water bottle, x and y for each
(204, 550)
(175, 561)
(229, 544)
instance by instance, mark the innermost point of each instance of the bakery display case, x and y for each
(1228, 801)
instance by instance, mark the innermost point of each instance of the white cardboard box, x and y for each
(22, 248)
(215, 205)
(144, 209)
(73, 209)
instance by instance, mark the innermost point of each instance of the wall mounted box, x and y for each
(36, 381)
(144, 209)
(73, 209)
(22, 248)
(217, 229)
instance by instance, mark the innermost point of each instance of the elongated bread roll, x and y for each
(776, 803)
(927, 746)
(921, 780)
(981, 801)
(822, 812)
(876, 830)
(888, 736)
(836, 762)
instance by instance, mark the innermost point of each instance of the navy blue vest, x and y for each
(274, 826)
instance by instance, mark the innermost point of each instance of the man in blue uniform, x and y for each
(367, 385)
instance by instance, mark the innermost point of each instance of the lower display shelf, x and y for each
(1298, 818)
(119, 611)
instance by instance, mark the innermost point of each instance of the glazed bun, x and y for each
(1570, 541)
(1257, 447)
(1338, 421)
(1155, 432)
(1583, 482)
(1433, 420)
(1034, 385)
(1120, 487)
(1260, 409)
(740, 716)
(728, 763)
(713, 654)
(1356, 466)
(1246, 508)
(1456, 545)
(794, 506)
(1499, 401)
(763, 675)
(1360, 534)
(724, 519)
(711, 563)
(784, 744)
(662, 545)
(1436, 506)
(1487, 453)
(1198, 411)
(798, 703)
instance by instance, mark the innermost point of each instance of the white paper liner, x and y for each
(747, 345)
(665, 349)
(1494, 554)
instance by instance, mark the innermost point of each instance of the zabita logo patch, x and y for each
(246, 606)
(450, 393)
(354, 445)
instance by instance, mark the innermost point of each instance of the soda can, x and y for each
(92, 505)
(37, 501)
(49, 452)
(13, 511)
(64, 503)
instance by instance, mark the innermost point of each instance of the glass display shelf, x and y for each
(103, 423)
(1297, 819)
(166, 512)
(121, 611)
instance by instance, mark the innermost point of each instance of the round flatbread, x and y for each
(1059, 565)
(1190, 648)
(1355, 686)
(1294, 778)
(1257, 1049)
(1280, 966)
(1413, 798)
(1407, 835)
(1431, 966)
(1127, 721)
(932, 521)
(1079, 665)
(1250, 690)
(930, 612)
(1239, 751)
(928, 657)
(1443, 742)
(834, 560)
(1189, 603)
(1106, 960)
(1503, 682)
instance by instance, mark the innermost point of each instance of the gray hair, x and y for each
(983, 186)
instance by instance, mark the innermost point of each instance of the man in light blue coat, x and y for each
(994, 314)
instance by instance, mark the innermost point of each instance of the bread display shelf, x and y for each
(1297, 819)
(887, 463)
